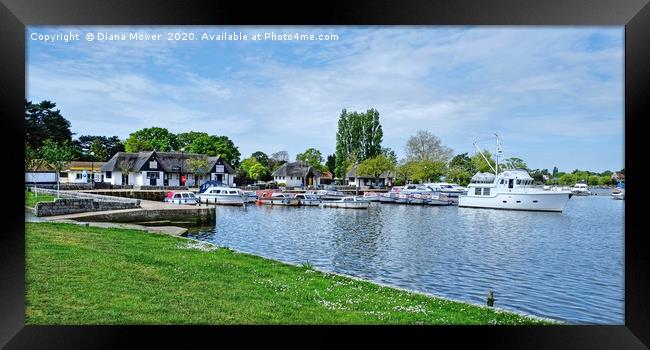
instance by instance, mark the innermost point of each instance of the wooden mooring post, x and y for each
(490, 298)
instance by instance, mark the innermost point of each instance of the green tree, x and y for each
(185, 139)
(479, 164)
(425, 146)
(216, 146)
(605, 180)
(567, 179)
(406, 171)
(43, 122)
(253, 168)
(312, 157)
(331, 163)
(152, 139)
(389, 154)
(358, 138)
(459, 175)
(374, 167)
(125, 166)
(462, 161)
(197, 166)
(593, 180)
(261, 157)
(427, 171)
(104, 147)
(57, 156)
(516, 163)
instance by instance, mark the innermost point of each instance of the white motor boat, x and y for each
(329, 195)
(453, 191)
(278, 198)
(223, 195)
(348, 203)
(308, 199)
(618, 193)
(581, 189)
(510, 189)
(373, 196)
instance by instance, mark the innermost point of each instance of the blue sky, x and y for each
(554, 94)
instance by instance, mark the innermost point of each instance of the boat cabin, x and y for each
(481, 183)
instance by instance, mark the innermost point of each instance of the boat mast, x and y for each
(498, 151)
(484, 158)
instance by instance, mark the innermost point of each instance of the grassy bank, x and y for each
(86, 275)
(31, 198)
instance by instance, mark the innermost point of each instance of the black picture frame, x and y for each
(15, 15)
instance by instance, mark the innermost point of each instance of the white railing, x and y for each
(83, 195)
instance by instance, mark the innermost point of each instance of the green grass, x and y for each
(86, 275)
(31, 200)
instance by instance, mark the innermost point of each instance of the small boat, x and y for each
(348, 203)
(178, 197)
(251, 196)
(441, 199)
(453, 191)
(278, 198)
(308, 199)
(329, 195)
(372, 196)
(581, 189)
(619, 191)
(223, 195)
(391, 196)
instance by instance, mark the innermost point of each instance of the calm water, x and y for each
(567, 266)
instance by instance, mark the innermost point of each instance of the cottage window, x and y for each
(78, 176)
(109, 174)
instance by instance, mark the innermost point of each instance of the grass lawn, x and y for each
(86, 275)
(30, 198)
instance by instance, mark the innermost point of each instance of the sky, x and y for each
(553, 94)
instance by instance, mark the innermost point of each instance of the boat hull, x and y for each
(353, 205)
(545, 201)
(289, 202)
(222, 200)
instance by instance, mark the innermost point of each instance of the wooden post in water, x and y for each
(490, 298)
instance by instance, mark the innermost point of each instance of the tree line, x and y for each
(359, 138)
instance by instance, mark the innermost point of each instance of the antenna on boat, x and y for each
(499, 151)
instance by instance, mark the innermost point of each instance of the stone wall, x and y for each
(64, 206)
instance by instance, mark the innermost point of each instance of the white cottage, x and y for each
(297, 174)
(164, 169)
(385, 179)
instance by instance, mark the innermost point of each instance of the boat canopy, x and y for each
(210, 183)
(483, 178)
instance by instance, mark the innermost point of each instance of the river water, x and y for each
(567, 266)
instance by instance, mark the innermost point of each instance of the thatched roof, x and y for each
(169, 161)
(297, 169)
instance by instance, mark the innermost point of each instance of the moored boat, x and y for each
(222, 195)
(279, 198)
(373, 196)
(308, 199)
(581, 189)
(348, 203)
(329, 195)
(510, 189)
